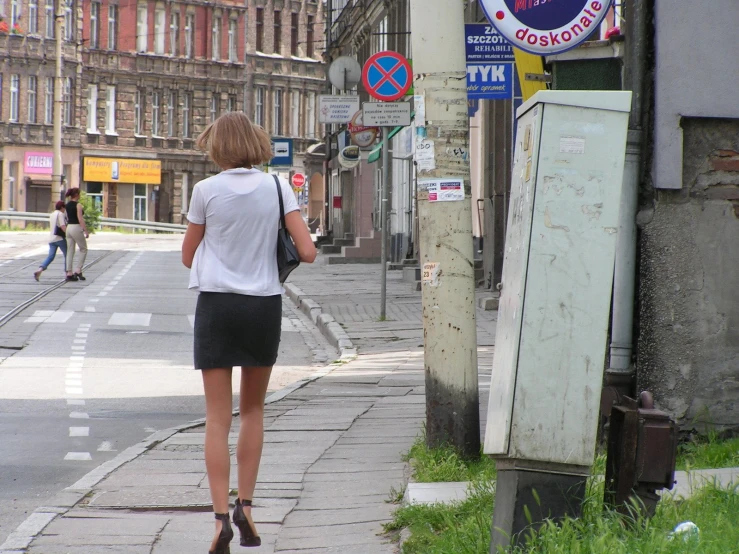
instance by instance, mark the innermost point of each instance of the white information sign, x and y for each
(337, 109)
(425, 150)
(445, 190)
(386, 114)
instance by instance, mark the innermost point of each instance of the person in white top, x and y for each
(57, 238)
(230, 247)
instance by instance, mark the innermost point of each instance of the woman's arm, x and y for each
(193, 238)
(301, 236)
(81, 219)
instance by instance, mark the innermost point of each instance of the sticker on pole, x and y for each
(387, 76)
(444, 190)
(431, 273)
(546, 26)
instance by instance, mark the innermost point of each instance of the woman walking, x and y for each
(230, 246)
(77, 234)
(57, 239)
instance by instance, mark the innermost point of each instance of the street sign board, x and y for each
(386, 114)
(546, 27)
(490, 81)
(490, 74)
(337, 109)
(282, 151)
(298, 180)
(484, 44)
(387, 76)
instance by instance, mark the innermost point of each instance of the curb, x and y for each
(328, 326)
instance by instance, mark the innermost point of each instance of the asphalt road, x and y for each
(104, 363)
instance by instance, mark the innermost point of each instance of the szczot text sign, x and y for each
(546, 26)
(337, 109)
(490, 60)
(386, 114)
(387, 76)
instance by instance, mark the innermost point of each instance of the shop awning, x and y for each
(376, 152)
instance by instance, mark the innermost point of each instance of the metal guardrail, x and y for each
(104, 222)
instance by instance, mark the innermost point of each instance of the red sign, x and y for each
(298, 180)
(387, 76)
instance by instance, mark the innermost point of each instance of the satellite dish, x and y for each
(345, 73)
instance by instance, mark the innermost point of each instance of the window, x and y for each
(95, 25)
(67, 103)
(277, 113)
(278, 31)
(174, 32)
(259, 105)
(189, 30)
(172, 113)
(139, 202)
(95, 191)
(49, 101)
(156, 113)
(12, 182)
(186, 115)
(160, 19)
(294, 34)
(138, 113)
(231, 105)
(311, 36)
(311, 116)
(92, 108)
(232, 28)
(112, 26)
(33, 17)
(49, 12)
(215, 100)
(15, 86)
(216, 39)
(110, 110)
(32, 86)
(185, 192)
(142, 29)
(69, 26)
(15, 12)
(260, 30)
(295, 113)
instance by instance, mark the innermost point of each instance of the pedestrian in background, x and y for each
(77, 234)
(231, 247)
(57, 238)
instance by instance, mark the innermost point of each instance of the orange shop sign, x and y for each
(122, 170)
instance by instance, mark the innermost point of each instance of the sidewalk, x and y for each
(332, 453)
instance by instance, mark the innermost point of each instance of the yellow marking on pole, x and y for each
(529, 63)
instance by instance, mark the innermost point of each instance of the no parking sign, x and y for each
(387, 76)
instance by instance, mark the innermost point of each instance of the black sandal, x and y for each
(223, 545)
(249, 535)
(80, 276)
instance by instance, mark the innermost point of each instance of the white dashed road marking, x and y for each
(78, 456)
(79, 431)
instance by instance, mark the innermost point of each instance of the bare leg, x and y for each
(254, 382)
(218, 413)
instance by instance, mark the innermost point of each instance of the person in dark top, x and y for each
(77, 234)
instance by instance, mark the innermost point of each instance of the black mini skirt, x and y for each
(236, 330)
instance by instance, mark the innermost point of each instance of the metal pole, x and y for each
(445, 236)
(383, 221)
(56, 177)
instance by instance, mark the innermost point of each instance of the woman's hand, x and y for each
(193, 238)
(301, 236)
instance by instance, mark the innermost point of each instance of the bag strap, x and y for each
(282, 206)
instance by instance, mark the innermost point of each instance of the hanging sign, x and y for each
(546, 26)
(387, 76)
(337, 109)
(362, 135)
(490, 60)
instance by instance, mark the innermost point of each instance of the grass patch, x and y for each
(439, 465)
(708, 452)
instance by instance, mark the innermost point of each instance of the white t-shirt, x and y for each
(241, 213)
(56, 219)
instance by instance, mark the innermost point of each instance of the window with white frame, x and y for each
(172, 113)
(15, 12)
(92, 108)
(138, 113)
(277, 112)
(295, 113)
(32, 97)
(33, 17)
(95, 25)
(15, 95)
(232, 30)
(49, 16)
(187, 115)
(259, 106)
(112, 26)
(139, 202)
(215, 101)
(216, 39)
(231, 103)
(49, 101)
(189, 34)
(142, 28)
(174, 32)
(12, 183)
(110, 110)
(156, 113)
(69, 23)
(160, 20)
(67, 102)
(311, 116)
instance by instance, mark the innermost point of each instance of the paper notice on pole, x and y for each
(431, 273)
(572, 145)
(419, 103)
(426, 165)
(425, 150)
(445, 190)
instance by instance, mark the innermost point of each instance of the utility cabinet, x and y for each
(557, 277)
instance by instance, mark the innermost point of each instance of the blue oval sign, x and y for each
(546, 26)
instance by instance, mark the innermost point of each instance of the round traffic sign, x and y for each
(387, 76)
(298, 180)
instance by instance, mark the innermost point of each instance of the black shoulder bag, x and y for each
(287, 255)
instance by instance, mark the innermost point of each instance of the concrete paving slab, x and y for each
(433, 493)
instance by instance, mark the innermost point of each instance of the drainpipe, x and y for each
(620, 372)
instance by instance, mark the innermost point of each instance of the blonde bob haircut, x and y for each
(233, 140)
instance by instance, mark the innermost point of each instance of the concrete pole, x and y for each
(383, 222)
(445, 230)
(56, 177)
